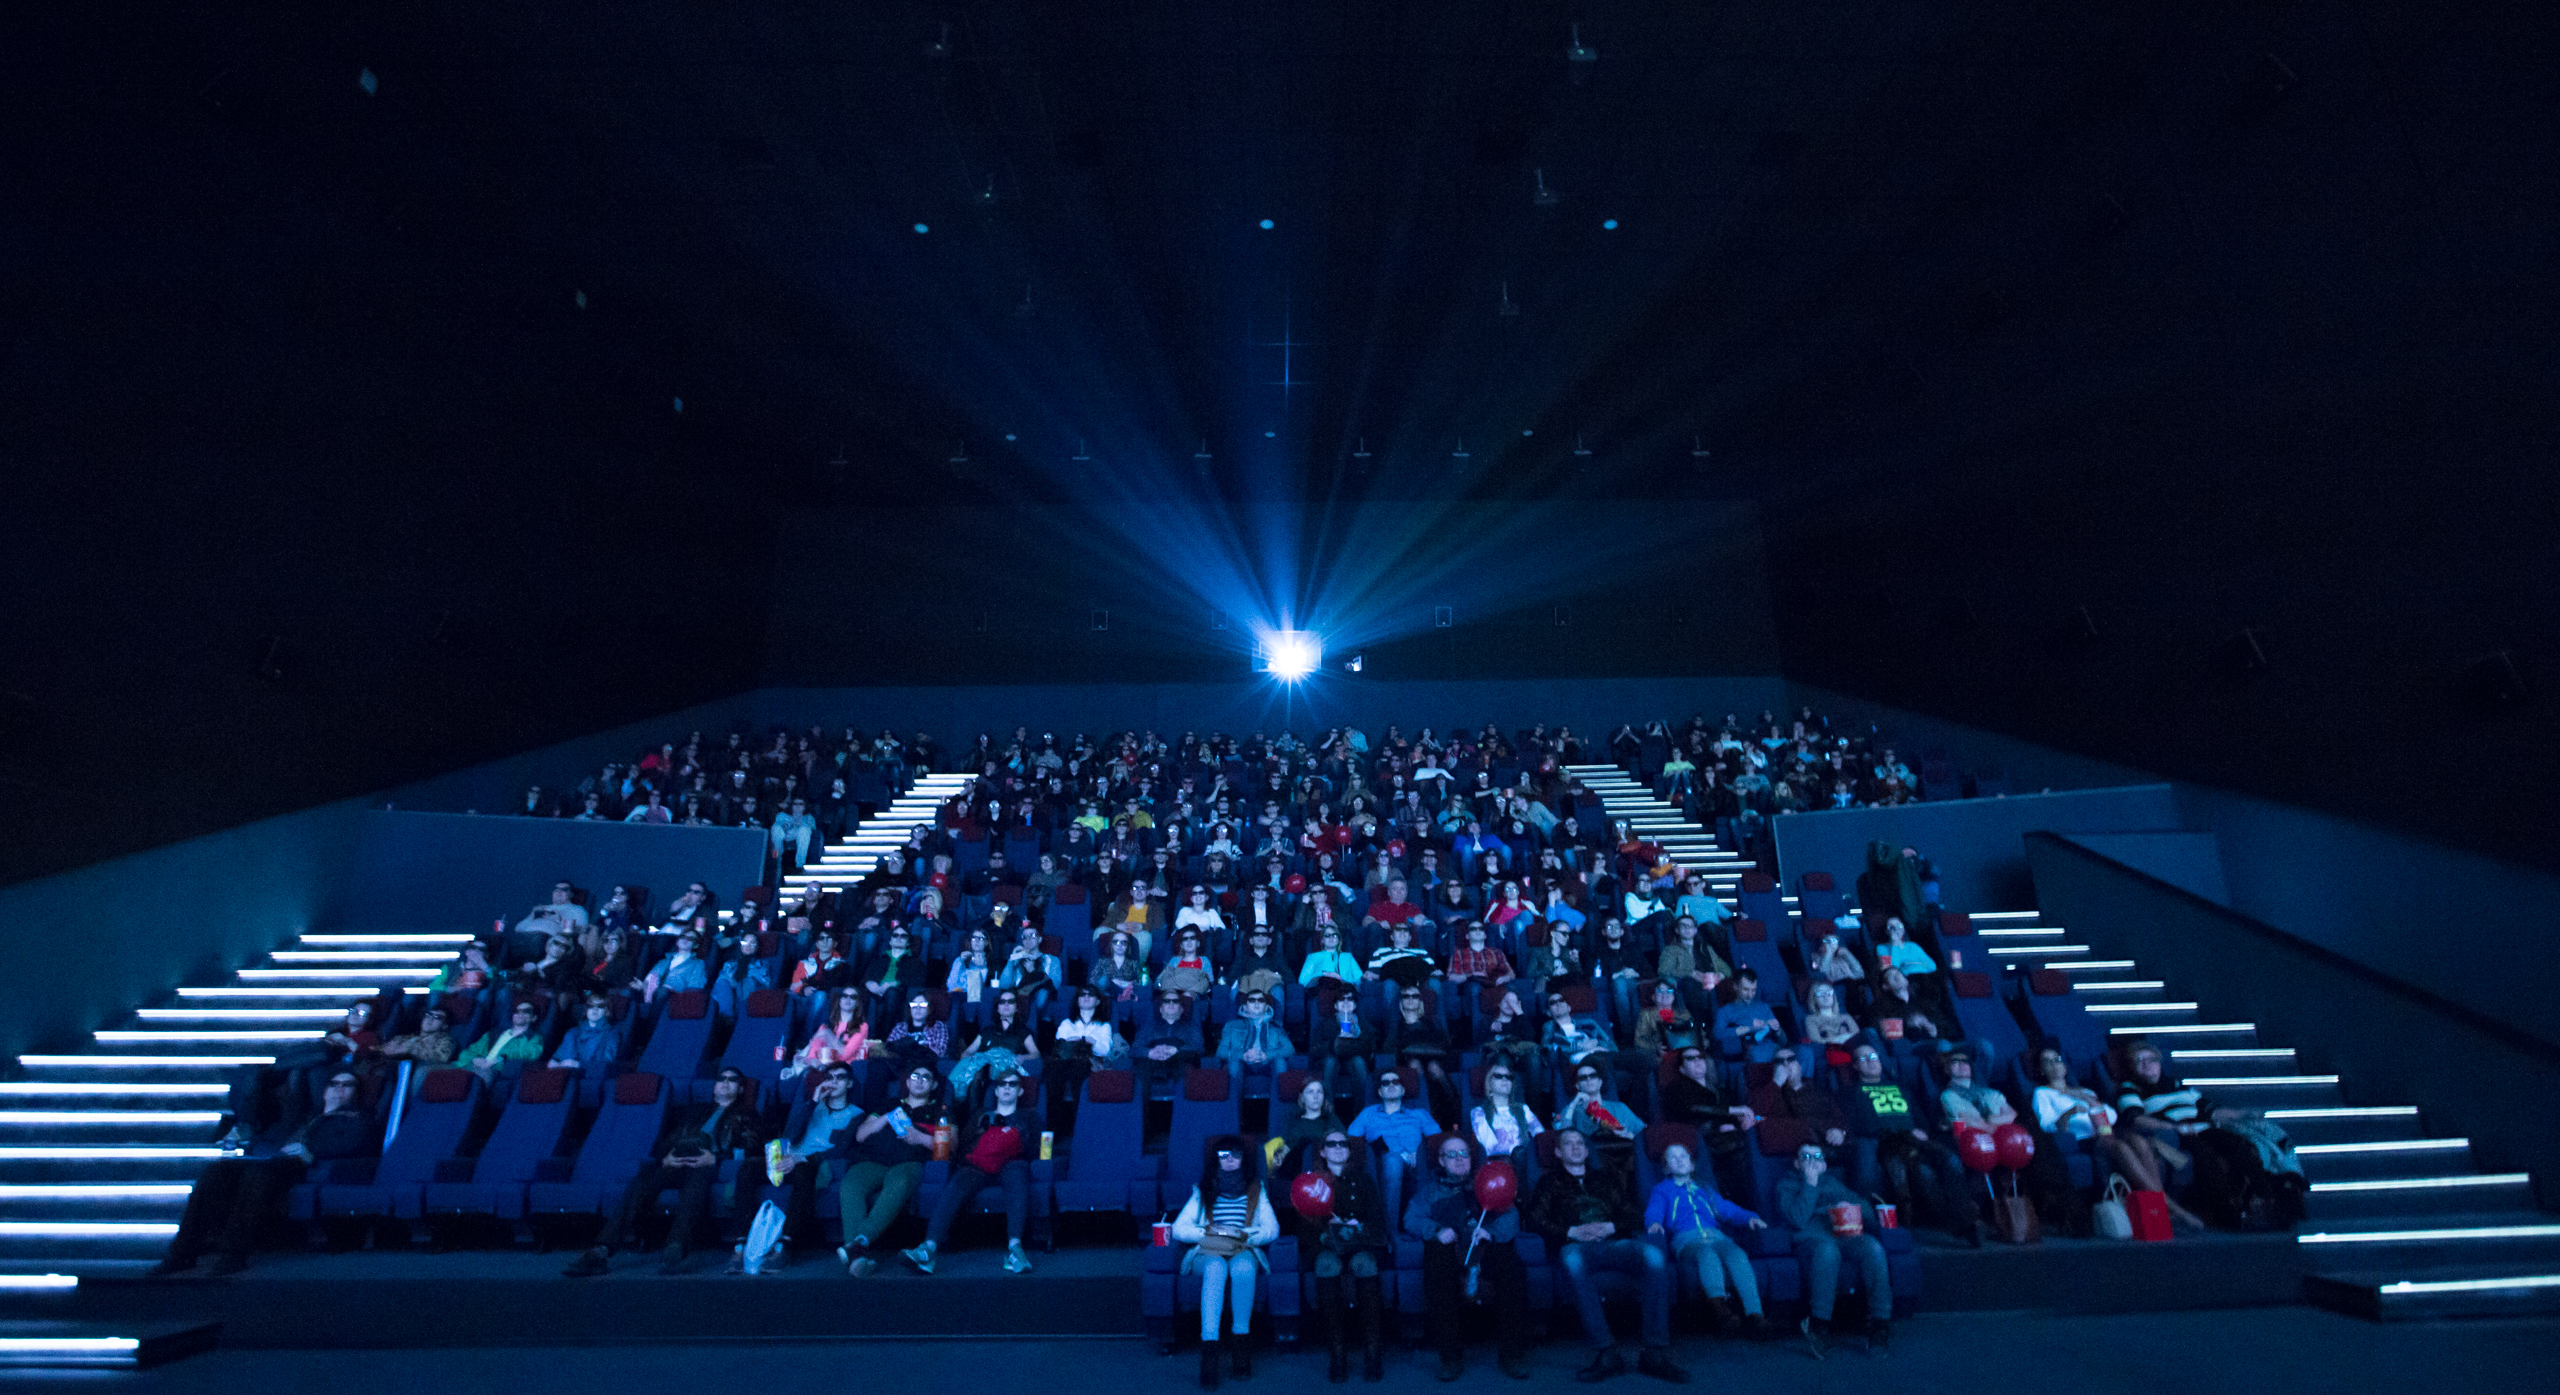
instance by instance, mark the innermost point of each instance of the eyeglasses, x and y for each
(1455, 1155)
(1332, 1143)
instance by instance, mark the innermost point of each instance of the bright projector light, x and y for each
(1290, 655)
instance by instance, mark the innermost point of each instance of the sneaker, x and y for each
(863, 1267)
(737, 1262)
(1719, 1316)
(1657, 1363)
(1755, 1328)
(586, 1266)
(1015, 1261)
(1816, 1339)
(1879, 1336)
(1605, 1364)
(1452, 1367)
(1516, 1366)
(673, 1260)
(920, 1259)
(777, 1259)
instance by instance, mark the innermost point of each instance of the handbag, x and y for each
(1221, 1243)
(2109, 1216)
(2014, 1219)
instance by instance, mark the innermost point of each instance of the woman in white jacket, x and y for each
(1229, 1224)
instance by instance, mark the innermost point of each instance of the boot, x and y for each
(1337, 1361)
(1373, 1324)
(1208, 1363)
(1817, 1336)
(1240, 1356)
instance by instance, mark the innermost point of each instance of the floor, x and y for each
(2257, 1350)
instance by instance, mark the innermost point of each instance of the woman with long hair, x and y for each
(1355, 1238)
(844, 1034)
(1229, 1224)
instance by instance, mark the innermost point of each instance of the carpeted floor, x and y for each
(2262, 1351)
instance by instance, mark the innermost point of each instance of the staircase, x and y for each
(2401, 1224)
(1660, 822)
(852, 858)
(99, 1149)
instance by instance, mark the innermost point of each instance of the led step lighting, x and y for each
(386, 939)
(2520, 1281)
(2411, 1184)
(2397, 1145)
(94, 1191)
(384, 960)
(217, 1014)
(2018, 932)
(73, 1229)
(2074, 968)
(38, 1283)
(351, 992)
(2039, 949)
(2231, 1082)
(110, 1116)
(2348, 1111)
(126, 1153)
(124, 1062)
(108, 1087)
(2005, 915)
(2142, 1007)
(276, 1035)
(2123, 985)
(2388, 1237)
(2190, 1029)
(2238, 1053)
(279, 975)
(69, 1346)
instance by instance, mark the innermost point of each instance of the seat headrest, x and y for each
(639, 1087)
(689, 1005)
(544, 1086)
(768, 1002)
(1750, 932)
(446, 1087)
(1969, 984)
(1207, 1086)
(1110, 1087)
(2049, 983)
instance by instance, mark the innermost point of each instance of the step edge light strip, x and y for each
(69, 1346)
(2396, 1184)
(2092, 964)
(74, 1191)
(38, 1283)
(109, 1087)
(2485, 1232)
(95, 1228)
(2388, 1145)
(2127, 985)
(102, 1153)
(2142, 1007)
(2411, 1286)
(106, 1059)
(230, 1014)
(295, 1035)
(386, 939)
(2233, 1053)
(2347, 1111)
(110, 1116)
(353, 992)
(2229, 1082)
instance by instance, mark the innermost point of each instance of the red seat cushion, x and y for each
(1111, 1087)
(2049, 983)
(1756, 882)
(1284, 1091)
(690, 1004)
(1750, 932)
(446, 1087)
(1971, 985)
(1069, 895)
(544, 1086)
(639, 1087)
(1780, 1138)
(1819, 881)
(1207, 1086)
(1657, 1137)
(768, 1002)
(1954, 923)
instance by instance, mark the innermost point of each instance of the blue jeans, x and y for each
(1821, 1256)
(1721, 1264)
(1585, 1261)
(1226, 1283)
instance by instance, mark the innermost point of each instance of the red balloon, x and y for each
(1294, 885)
(1497, 1186)
(1312, 1194)
(1977, 1149)
(2017, 1146)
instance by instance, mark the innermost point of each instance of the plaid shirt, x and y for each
(1486, 963)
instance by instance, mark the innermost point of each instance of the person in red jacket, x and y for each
(995, 1151)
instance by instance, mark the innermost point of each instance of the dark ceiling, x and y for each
(390, 386)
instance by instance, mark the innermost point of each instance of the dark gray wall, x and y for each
(1974, 843)
(2188, 861)
(460, 871)
(87, 946)
(2392, 1043)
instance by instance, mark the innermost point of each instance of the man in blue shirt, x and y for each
(821, 1129)
(1392, 1122)
(1747, 1026)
